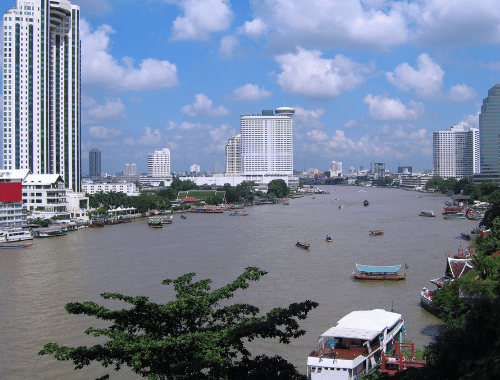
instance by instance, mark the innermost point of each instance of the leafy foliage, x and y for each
(193, 337)
(278, 187)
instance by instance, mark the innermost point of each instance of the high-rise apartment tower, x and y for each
(41, 89)
(267, 142)
(456, 152)
(233, 156)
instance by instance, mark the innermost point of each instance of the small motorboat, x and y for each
(302, 245)
(329, 238)
(376, 233)
(183, 216)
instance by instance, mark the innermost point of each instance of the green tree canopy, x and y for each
(193, 337)
(278, 187)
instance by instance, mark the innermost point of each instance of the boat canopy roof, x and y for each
(376, 269)
(364, 324)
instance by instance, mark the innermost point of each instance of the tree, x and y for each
(193, 337)
(278, 187)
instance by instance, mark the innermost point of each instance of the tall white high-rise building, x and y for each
(133, 169)
(267, 142)
(233, 156)
(194, 168)
(41, 89)
(159, 163)
(456, 152)
(335, 168)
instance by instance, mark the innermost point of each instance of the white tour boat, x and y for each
(353, 347)
(12, 234)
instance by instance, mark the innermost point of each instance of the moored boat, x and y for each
(353, 347)
(97, 223)
(48, 232)
(376, 233)
(459, 215)
(16, 244)
(302, 245)
(370, 272)
(13, 234)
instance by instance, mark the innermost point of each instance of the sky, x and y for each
(369, 80)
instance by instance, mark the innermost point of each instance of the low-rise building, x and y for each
(128, 188)
(12, 210)
(44, 195)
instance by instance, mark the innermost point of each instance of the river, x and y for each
(36, 282)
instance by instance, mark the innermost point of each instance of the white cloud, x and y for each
(219, 137)
(150, 137)
(94, 113)
(253, 29)
(462, 93)
(330, 23)
(100, 68)
(456, 22)
(101, 132)
(308, 74)
(227, 46)
(384, 108)
(398, 142)
(203, 107)
(427, 81)
(201, 18)
(250, 93)
(185, 126)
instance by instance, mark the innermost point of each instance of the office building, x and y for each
(159, 163)
(133, 169)
(267, 143)
(405, 170)
(489, 129)
(456, 152)
(335, 169)
(41, 89)
(95, 164)
(233, 156)
(194, 169)
(377, 169)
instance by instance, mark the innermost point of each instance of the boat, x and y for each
(155, 222)
(329, 238)
(369, 272)
(48, 232)
(366, 203)
(238, 213)
(353, 347)
(376, 233)
(16, 244)
(452, 210)
(302, 245)
(183, 216)
(167, 220)
(426, 213)
(14, 234)
(97, 223)
(459, 215)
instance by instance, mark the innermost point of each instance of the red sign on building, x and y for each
(11, 192)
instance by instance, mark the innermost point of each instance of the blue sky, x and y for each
(370, 80)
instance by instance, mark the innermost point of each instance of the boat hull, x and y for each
(379, 277)
(16, 245)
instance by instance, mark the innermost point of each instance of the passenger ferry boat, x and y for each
(14, 234)
(353, 347)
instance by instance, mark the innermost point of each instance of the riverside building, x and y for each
(41, 89)
(233, 156)
(456, 152)
(267, 143)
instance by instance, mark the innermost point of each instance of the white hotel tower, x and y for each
(159, 163)
(41, 89)
(456, 152)
(267, 143)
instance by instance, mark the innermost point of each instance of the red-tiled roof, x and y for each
(458, 267)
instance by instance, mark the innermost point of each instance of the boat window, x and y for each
(319, 370)
(313, 369)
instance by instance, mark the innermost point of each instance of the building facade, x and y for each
(335, 169)
(267, 143)
(44, 195)
(489, 129)
(95, 164)
(159, 163)
(377, 169)
(128, 188)
(12, 210)
(233, 156)
(456, 152)
(41, 89)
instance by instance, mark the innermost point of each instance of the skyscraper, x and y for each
(233, 156)
(456, 152)
(41, 94)
(267, 142)
(159, 163)
(95, 163)
(489, 129)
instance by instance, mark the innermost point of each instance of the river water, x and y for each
(36, 282)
